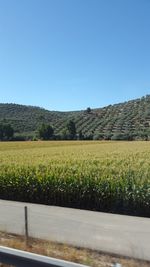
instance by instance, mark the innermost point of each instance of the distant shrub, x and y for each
(88, 110)
(98, 137)
(19, 138)
(46, 132)
(108, 136)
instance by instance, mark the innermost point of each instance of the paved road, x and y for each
(124, 235)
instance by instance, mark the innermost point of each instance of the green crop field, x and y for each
(104, 176)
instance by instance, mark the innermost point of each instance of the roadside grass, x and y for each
(66, 252)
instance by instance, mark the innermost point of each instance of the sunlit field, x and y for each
(104, 176)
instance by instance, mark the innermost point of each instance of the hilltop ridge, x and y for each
(130, 118)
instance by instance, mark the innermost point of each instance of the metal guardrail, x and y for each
(26, 259)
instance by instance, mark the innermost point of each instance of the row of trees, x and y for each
(46, 132)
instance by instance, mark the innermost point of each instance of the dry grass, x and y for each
(69, 253)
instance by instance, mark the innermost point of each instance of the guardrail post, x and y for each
(26, 222)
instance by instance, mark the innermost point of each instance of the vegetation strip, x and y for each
(103, 176)
(124, 121)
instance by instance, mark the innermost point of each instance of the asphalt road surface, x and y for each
(119, 234)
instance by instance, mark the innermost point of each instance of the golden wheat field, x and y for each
(106, 176)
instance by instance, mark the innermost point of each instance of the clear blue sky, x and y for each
(71, 54)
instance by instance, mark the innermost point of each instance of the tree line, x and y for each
(46, 132)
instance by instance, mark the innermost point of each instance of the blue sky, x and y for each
(71, 54)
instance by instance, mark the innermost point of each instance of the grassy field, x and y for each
(104, 176)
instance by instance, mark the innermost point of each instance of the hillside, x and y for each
(130, 118)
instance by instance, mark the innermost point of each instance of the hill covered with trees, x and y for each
(124, 121)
